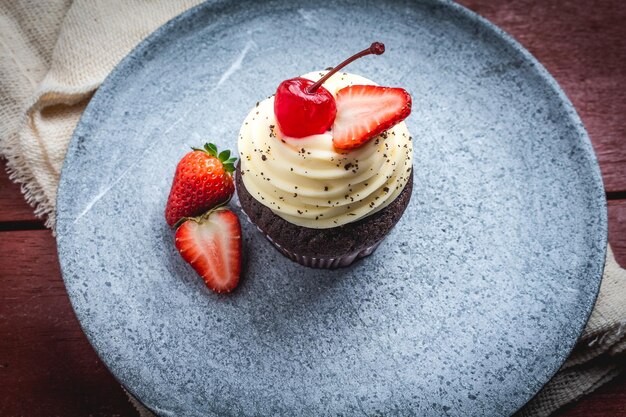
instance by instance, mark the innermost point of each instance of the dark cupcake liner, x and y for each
(317, 262)
(325, 263)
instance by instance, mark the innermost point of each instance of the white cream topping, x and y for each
(308, 182)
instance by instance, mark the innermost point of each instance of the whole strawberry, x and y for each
(203, 180)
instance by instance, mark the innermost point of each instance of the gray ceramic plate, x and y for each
(467, 308)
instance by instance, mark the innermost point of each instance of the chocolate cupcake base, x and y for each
(319, 262)
(323, 248)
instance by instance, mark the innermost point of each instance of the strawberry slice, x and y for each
(365, 111)
(211, 244)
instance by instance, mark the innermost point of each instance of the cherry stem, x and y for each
(377, 48)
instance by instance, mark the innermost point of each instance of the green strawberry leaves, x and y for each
(224, 156)
(230, 166)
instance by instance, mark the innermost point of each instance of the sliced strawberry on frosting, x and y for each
(365, 111)
(211, 244)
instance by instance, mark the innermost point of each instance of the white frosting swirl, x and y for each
(308, 182)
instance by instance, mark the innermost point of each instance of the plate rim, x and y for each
(177, 22)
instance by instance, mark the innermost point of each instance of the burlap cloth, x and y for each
(54, 54)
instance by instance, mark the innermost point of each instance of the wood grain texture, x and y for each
(607, 401)
(13, 207)
(47, 367)
(583, 45)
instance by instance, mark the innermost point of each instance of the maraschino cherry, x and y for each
(303, 107)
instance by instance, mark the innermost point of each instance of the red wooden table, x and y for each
(48, 368)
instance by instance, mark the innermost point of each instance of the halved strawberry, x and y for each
(211, 244)
(365, 111)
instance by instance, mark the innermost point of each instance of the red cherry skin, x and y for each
(300, 113)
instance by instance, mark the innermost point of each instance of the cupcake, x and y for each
(325, 169)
